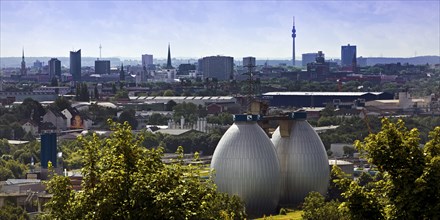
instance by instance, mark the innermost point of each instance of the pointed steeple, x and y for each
(169, 66)
(23, 64)
(122, 73)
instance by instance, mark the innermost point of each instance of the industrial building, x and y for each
(321, 99)
(246, 164)
(303, 160)
(266, 173)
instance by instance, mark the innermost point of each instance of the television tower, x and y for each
(100, 47)
(293, 45)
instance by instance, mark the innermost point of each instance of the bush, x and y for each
(283, 211)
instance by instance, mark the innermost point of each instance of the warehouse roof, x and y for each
(322, 93)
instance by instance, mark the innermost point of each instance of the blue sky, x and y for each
(234, 28)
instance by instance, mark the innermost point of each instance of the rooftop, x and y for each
(323, 93)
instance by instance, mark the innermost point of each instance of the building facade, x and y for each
(54, 68)
(308, 58)
(147, 59)
(75, 65)
(348, 55)
(102, 66)
(219, 67)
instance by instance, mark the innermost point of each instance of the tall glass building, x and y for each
(75, 65)
(348, 53)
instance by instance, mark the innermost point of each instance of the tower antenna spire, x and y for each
(100, 47)
(293, 41)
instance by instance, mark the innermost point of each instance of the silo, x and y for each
(246, 164)
(303, 160)
(48, 149)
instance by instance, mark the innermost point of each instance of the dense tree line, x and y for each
(82, 92)
(123, 180)
(406, 186)
(355, 128)
(15, 160)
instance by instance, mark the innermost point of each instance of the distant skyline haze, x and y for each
(196, 29)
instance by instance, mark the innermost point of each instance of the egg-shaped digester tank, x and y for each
(246, 164)
(303, 160)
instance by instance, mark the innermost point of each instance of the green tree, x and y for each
(114, 90)
(348, 150)
(315, 208)
(407, 184)
(31, 109)
(170, 105)
(123, 180)
(5, 147)
(54, 81)
(82, 92)
(187, 110)
(96, 93)
(329, 110)
(168, 92)
(412, 173)
(129, 116)
(10, 168)
(121, 94)
(11, 211)
(61, 103)
(157, 119)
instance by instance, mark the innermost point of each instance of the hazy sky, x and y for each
(234, 28)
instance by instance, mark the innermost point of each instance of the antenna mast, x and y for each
(100, 47)
(249, 63)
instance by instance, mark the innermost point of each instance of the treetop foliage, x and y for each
(122, 180)
(406, 186)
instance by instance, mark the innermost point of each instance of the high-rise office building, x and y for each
(38, 64)
(249, 62)
(348, 55)
(102, 66)
(147, 59)
(293, 41)
(308, 58)
(219, 67)
(54, 68)
(75, 65)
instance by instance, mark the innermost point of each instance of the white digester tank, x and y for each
(303, 160)
(246, 164)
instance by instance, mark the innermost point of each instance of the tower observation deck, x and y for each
(293, 43)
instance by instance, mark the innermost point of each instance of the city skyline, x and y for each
(238, 29)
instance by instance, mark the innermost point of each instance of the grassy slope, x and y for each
(295, 215)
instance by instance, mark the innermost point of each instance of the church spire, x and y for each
(23, 64)
(169, 66)
(122, 73)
